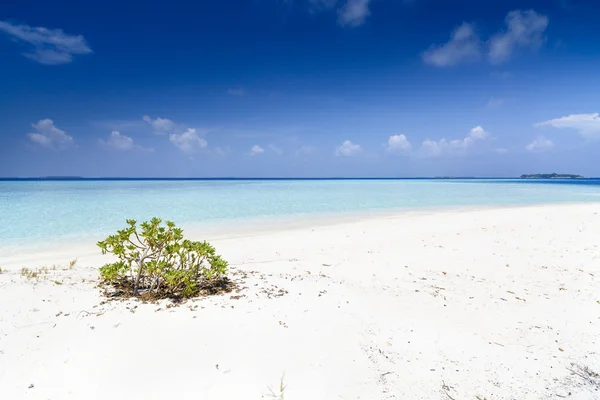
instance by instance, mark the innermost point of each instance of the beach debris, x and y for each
(31, 386)
(446, 389)
(589, 376)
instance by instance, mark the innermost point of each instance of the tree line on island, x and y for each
(550, 176)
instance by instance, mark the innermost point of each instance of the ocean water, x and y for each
(53, 210)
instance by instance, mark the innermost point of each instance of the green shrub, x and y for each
(158, 261)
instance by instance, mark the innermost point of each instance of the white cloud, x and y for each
(188, 142)
(464, 45)
(161, 126)
(348, 149)
(477, 133)
(236, 92)
(256, 150)
(354, 13)
(432, 148)
(276, 149)
(398, 144)
(540, 145)
(49, 136)
(587, 125)
(50, 46)
(118, 141)
(523, 29)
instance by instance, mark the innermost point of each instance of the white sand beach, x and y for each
(485, 304)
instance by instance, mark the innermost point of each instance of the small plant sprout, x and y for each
(279, 392)
(72, 263)
(29, 273)
(158, 262)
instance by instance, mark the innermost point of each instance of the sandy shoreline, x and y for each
(63, 249)
(496, 303)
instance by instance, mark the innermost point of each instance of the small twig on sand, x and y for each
(89, 313)
(446, 388)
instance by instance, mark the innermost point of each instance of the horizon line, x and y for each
(78, 178)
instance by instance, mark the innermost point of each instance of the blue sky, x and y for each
(299, 88)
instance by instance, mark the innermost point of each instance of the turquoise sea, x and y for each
(51, 210)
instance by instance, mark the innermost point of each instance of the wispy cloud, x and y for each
(587, 125)
(540, 145)
(398, 144)
(305, 151)
(495, 102)
(188, 141)
(118, 141)
(50, 46)
(49, 136)
(351, 13)
(222, 151)
(348, 149)
(236, 92)
(256, 150)
(524, 29)
(161, 126)
(276, 150)
(436, 148)
(354, 13)
(464, 45)
(318, 5)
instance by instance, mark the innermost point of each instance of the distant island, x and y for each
(550, 176)
(61, 178)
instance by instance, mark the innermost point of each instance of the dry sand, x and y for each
(486, 304)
